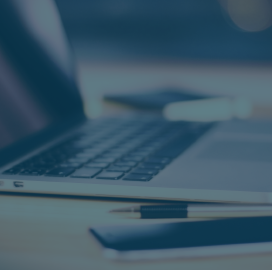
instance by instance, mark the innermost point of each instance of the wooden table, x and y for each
(52, 233)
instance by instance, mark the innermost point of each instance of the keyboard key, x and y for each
(92, 151)
(102, 165)
(41, 167)
(176, 147)
(86, 173)
(158, 160)
(44, 163)
(145, 171)
(118, 169)
(112, 155)
(102, 147)
(106, 160)
(78, 160)
(119, 150)
(148, 148)
(110, 175)
(70, 165)
(171, 153)
(126, 163)
(86, 155)
(138, 154)
(60, 172)
(11, 171)
(132, 158)
(137, 177)
(82, 144)
(32, 172)
(127, 146)
(143, 151)
(151, 166)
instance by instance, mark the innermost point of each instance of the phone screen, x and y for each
(185, 234)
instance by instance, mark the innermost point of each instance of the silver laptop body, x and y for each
(48, 146)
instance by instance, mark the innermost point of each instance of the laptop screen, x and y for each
(37, 87)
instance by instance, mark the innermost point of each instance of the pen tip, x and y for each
(125, 210)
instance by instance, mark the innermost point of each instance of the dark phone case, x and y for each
(185, 234)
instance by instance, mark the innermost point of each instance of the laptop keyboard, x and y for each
(114, 149)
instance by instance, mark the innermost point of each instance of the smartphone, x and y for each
(186, 239)
(155, 100)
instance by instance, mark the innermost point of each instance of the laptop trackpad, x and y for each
(238, 150)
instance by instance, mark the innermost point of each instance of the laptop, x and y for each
(48, 146)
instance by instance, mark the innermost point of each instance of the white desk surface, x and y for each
(52, 233)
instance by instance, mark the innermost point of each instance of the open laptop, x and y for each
(48, 146)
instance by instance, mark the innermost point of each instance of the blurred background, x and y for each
(172, 29)
(213, 46)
